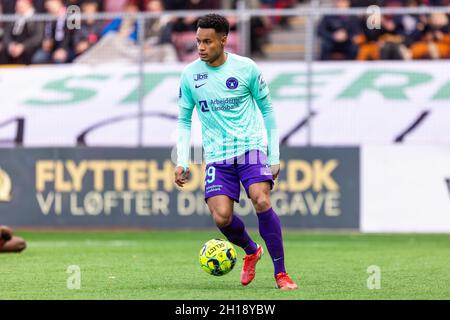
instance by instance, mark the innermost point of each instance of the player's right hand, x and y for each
(181, 176)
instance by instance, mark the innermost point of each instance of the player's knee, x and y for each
(261, 202)
(222, 222)
(221, 218)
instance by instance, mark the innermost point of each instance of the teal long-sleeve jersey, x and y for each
(227, 99)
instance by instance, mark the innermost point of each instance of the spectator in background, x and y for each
(436, 3)
(69, 3)
(158, 45)
(120, 40)
(393, 3)
(23, 37)
(228, 4)
(204, 4)
(435, 42)
(392, 41)
(412, 24)
(89, 33)
(259, 30)
(39, 6)
(8, 6)
(386, 42)
(337, 33)
(175, 4)
(126, 27)
(278, 4)
(366, 3)
(189, 23)
(114, 5)
(259, 26)
(158, 30)
(57, 38)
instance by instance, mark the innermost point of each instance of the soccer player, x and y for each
(228, 90)
(10, 243)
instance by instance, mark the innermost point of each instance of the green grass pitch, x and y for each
(163, 265)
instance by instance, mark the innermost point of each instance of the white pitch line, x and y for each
(90, 243)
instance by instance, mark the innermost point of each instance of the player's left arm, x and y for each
(265, 105)
(261, 94)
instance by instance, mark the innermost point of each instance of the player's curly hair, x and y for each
(214, 21)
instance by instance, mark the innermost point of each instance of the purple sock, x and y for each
(236, 234)
(270, 231)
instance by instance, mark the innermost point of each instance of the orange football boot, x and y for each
(249, 268)
(284, 282)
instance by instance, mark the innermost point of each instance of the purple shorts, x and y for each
(224, 177)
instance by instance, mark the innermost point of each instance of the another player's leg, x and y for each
(270, 231)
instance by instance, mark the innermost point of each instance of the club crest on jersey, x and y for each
(201, 76)
(232, 83)
(204, 106)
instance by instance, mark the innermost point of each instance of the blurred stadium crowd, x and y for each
(342, 37)
(28, 42)
(400, 37)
